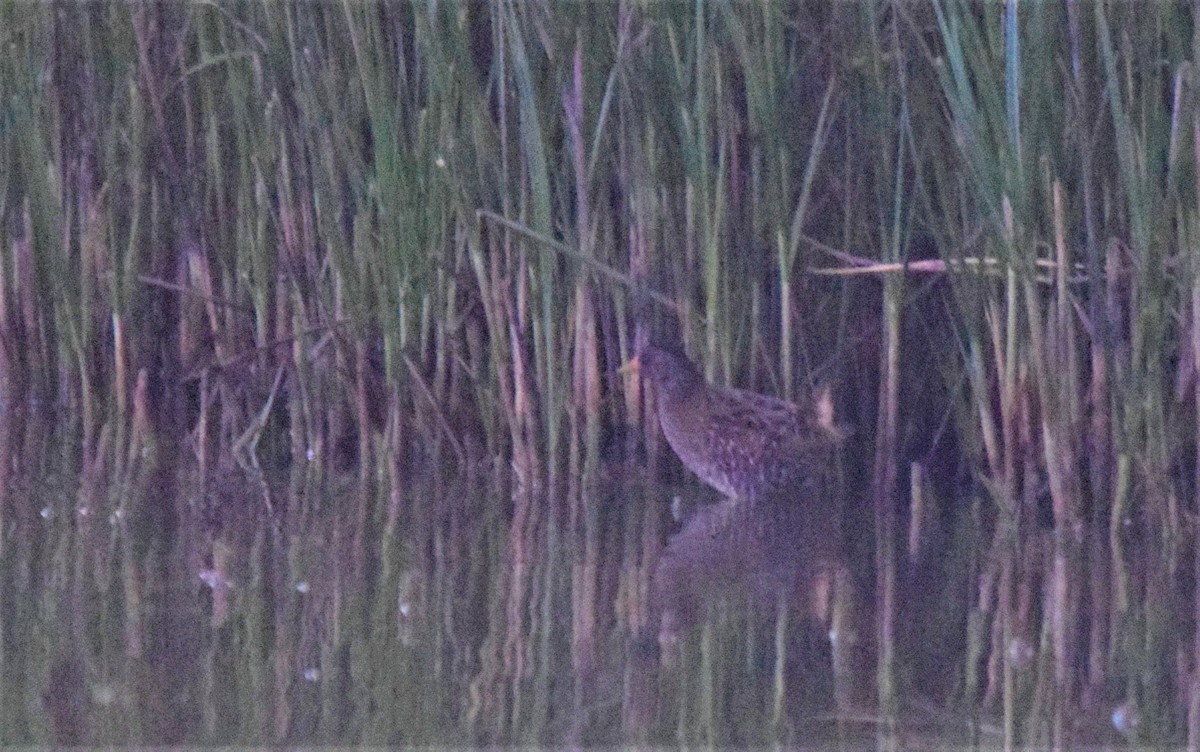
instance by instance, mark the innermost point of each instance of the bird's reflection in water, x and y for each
(779, 556)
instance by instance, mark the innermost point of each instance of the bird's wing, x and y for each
(783, 421)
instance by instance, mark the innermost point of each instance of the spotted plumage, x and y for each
(743, 444)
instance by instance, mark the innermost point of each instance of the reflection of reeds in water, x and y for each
(66, 700)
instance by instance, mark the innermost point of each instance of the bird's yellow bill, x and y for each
(632, 366)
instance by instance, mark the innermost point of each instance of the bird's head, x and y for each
(672, 374)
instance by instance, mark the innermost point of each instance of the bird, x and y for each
(745, 445)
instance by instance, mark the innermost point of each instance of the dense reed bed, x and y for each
(399, 235)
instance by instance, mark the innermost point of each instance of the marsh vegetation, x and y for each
(310, 416)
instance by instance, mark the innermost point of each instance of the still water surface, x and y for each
(382, 608)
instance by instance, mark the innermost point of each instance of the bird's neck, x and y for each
(681, 387)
